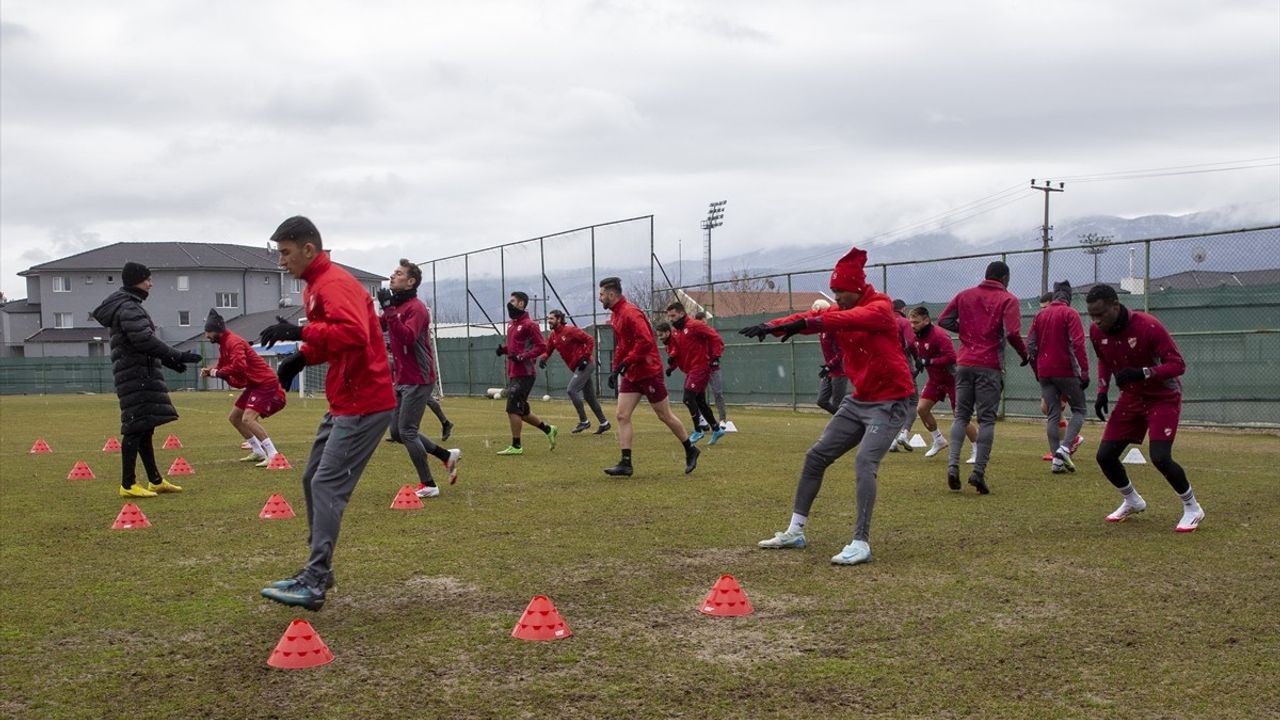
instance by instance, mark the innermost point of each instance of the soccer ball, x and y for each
(546, 397)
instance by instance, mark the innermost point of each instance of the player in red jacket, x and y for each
(577, 349)
(343, 330)
(902, 443)
(869, 418)
(936, 357)
(1135, 349)
(240, 367)
(986, 317)
(636, 363)
(1055, 344)
(523, 347)
(833, 383)
(700, 348)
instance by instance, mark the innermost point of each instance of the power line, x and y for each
(1165, 170)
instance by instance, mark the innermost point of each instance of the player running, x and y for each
(698, 348)
(577, 349)
(936, 357)
(1055, 344)
(240, 367)
(524, 344)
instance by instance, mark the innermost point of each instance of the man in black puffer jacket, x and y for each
(136, 357)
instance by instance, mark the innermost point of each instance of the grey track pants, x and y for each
(1051, 390)
(976, 388)
(716, 386)
(411, 402)
(871, 427)
(582, 387)
(832, 391)
(435, 404)
(339, 454)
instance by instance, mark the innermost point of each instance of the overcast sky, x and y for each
(429, 128)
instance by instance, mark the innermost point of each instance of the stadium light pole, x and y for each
(715, 218)
(1096, 245)
(1044, 230)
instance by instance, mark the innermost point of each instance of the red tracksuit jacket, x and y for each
(1055, 343)
(868, 335)
(525, 344)
(573, 344)
(695, 345)
(985, 317)
(831, 354)
(343, 330)
(936, 347)
(1138, 340)
(239, 366)
(408, 325)
(633, 343)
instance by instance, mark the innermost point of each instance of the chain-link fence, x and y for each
(1217, 293)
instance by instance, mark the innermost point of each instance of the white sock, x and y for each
(254, 445)
(937, 434)
(1188, 499)
(1130, 494)
(269, 448)
(797, 523)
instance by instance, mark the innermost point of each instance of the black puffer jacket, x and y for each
(136, 353)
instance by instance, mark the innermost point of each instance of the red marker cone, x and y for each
(279, 462)
(113, 445)
(406, 500)
(40, 447)
(80, 471)
(180, 466)
(172, 443)
(541, 621)
(300, 647)
(277, 508)
(130, 518)
(726, 599)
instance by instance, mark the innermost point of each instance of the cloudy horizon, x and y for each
(424, 130)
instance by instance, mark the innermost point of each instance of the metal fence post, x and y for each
(466, 316)
(1146, 277)
(791, 303)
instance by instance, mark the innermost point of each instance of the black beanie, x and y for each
(214, 323)
(134, 273)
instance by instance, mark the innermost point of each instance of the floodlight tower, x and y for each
(1096, 245)
(715, 218)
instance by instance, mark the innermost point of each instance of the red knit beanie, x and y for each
(848, 275)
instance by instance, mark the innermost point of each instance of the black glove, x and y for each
(542, 363)
(791, 328)
(189, 357)
(613, 377)
(1084, 383)
(669, 371)
(921, 364)
(289, 367)
(1101, 406)
(1129, 375)
(824, 371)
(384, 298)
(715, 364)
(1026, 360)
(759, 332)
(500, 350)
(582, 365)
(174, 364)
(281, 331)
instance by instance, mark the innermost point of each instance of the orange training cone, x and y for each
(80, 471)
(300, 647)
(113, 445)
(131, 518)
(172, 443)
(726, 599)
(40, 447)
(541, 621)
(277, 508)
(180, 466)
(406, 500)
(279, 462)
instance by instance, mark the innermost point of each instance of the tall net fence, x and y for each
(1217, 293)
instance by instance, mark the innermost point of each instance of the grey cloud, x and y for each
(345, 101)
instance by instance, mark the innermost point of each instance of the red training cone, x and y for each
(406, 500)
(300, 647)
(40, 447)
(80, 471)
(277, 508)
(180, 466)
(130, 518)
(113, 445)
(279, 462)
(541, 621)
(726, 599)
(172, 443)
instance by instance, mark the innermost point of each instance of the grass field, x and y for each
(1020, 604)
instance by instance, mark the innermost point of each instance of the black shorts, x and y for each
(518, 389)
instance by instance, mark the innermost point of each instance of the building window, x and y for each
(61, 283)
(62, 320)
(184, 318)
(184, 283)
(226, 300)
(88, 279)
(296, 284)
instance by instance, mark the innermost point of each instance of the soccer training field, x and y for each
(1021, 604)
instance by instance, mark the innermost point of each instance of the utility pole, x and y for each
(1096, 245)
(1044, 229)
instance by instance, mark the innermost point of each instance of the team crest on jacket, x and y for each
(926, 346)
(1133, 342)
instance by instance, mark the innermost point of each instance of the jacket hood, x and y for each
(106, 311)
(1062, 291)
